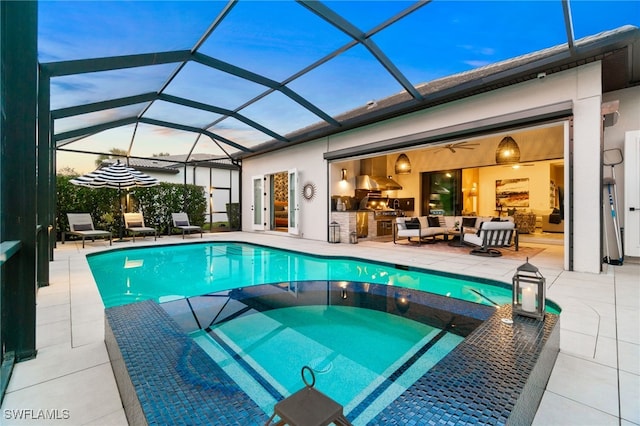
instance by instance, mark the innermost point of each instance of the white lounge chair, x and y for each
(134, 223)
(490, 237)
(181, 221)
(81, 224)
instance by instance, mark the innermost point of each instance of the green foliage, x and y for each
(157, 203)
(101, 203)
(233, 213)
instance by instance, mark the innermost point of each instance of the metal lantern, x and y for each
(334, 232)
(529, 292)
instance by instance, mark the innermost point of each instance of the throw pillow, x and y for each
(135, 224)
(434, 222)
(83, 227)
(495, 219)
(468, 222)
(413, 223)
(182, 223)
(555, 218)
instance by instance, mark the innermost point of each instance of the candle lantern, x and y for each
(529, 292)
(334, 232)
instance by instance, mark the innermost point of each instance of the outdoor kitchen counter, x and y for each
(362, 222)
(366, 224)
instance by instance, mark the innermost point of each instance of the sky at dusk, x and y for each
(276, 40)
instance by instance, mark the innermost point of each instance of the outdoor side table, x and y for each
(308, 407)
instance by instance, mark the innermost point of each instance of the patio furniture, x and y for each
(491, 237)
(81, 224)
(308, 406)
(552, 223)
(134, 223)
(525, 222)
(425, 229)
(181, 221)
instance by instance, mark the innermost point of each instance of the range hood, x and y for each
(373, 176)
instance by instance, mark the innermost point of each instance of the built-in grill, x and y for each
(384, 221)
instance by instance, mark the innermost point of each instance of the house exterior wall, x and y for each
(629, 119)
(312, 168)
(581, 86)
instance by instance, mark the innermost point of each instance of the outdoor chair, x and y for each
(490, 237)
(134, 223)
(181, 221)
(81, 224)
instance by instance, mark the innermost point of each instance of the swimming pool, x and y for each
(366, 343)
(163, 273)
(174, 276)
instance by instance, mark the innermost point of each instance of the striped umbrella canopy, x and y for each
(116, 176)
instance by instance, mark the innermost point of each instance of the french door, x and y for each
(258, 209)
(294, 202)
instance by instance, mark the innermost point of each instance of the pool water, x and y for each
(164, 273)
(355, 354)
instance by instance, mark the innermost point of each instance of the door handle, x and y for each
(633, 209)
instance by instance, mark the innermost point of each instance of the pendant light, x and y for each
(508, 151)
(403, 165)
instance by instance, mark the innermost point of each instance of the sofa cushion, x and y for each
(555, 217)
(434, 221)
(468, 222)
(413, 223)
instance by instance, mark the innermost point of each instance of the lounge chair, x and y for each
(81, 224)
(181, 221)
(134, 223)
(490, 237)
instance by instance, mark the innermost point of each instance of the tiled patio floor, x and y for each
(596, 379)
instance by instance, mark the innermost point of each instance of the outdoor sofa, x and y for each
(422, 229)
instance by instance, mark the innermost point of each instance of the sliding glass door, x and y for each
(442, 193)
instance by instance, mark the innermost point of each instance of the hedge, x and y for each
(157, 203)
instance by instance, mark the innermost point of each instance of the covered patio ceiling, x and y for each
(231, 79)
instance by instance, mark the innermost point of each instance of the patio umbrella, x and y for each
(116, 176)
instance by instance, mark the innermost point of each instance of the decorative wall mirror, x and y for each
(309, 191)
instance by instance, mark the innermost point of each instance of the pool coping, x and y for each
(497, 375)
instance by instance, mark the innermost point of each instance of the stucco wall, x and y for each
(308, 160)
(581, 85)
(629, 119)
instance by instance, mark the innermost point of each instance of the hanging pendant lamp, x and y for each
(508, 151)
(403, 165)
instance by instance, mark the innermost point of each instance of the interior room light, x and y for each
(508, 151)
(403, 165)
(344, 174)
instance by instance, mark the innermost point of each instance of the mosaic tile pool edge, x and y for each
(500, 373)
(173, 381)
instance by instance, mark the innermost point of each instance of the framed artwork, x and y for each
(512, 192)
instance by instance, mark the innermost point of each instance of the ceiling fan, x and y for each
(458, 145)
